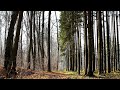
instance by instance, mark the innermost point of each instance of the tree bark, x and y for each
(93, 51)
(117, 41)
(86, 47)
(39, 46)
(21, 48)
(15, 47)
(42, 41)
(30, 46)
(9, 41)
(108, 46)
(100, 59)
(78, 50)
(57, 41)
(34, 54)
(104, 45)
(49, 63)
(90, 31)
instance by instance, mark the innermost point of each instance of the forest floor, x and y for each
(30, 74)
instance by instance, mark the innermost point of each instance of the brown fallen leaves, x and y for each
(45, 75)
(30, 74)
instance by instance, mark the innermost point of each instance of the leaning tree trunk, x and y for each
(21, 48)
(6, 26)
(15, 48)
(9, 41)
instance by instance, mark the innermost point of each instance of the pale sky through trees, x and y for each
(53, 26)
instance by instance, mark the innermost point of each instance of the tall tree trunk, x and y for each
(104, 44)
(100, 59)
(86, 47)
(15, 47)
(49, 63)
(21, 48)
(115, 56)
(108, 46)
(90, 31)
(6, 26)
(39, 46)
(9, 41)
(1, 41)
(80, 50)
(117, 41)
(57, 41)
(70, 58)
(114, 37)
(67, 55)
(101, 47)
(43, 41)
(30, 46)
(97, 39)
(76, 56)
(34, 54)
(93, 51)
(73, 58)
(78, 34)
(112, 42)
(72, 38)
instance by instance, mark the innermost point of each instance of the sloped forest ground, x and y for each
(30, 74)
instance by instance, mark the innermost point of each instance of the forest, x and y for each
(59, 45)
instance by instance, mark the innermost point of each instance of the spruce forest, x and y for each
(59, 45)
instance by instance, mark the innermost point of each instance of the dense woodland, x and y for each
(60, 44)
